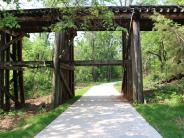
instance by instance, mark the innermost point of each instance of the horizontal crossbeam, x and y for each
(68, 65)
(25, 64)
(96, 63)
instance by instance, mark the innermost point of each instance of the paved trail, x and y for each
(100, 113)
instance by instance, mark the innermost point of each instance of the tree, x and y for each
(147, 2)
(98, 46)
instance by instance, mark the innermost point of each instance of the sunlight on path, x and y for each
(100, 113)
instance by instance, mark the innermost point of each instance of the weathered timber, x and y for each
(137, 62)
(124, 82)
(71, 78)
(99, 63)
(20, 72)
(36, 20)
(62, 78)
(7, 45)
(66, 66)
(15, 75)
(66, 55)
(129, 67)
(2, 58)
(56, 78)
(7, 76)
(10, 96)
(27, 64)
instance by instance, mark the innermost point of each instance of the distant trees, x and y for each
(163, 48)
(98, 46)
(38, 81)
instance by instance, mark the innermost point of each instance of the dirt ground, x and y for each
(9, 121)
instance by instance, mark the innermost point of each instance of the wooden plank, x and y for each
(66, 66)
(137, 63)
(96, 63)
(15, 75)
(7, 76)
(66, 84)
(20, 73)
(56, 72)
(9, 95)
(72, 81)
(7, 45)
(2, 58)
(21, 65)
(124, 81)
(129, 67)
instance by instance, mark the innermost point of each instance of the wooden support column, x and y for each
(63, 77)
(136, 61)
(127, 78)
(124, 82)
(7, 77)
(2, 58)
(59, 37)
(20, 72)
(71, 58)
(15, 75)
(67, 55)
(129, 68)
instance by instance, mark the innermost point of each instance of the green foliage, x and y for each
(68, 20)
(8, 21)
(163, 50)
(38, 82)
(148, 2)
(168, 93)
(100, 46)
(179, 2)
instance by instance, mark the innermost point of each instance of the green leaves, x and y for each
(8, 21)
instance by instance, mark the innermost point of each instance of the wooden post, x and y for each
(124, 82)
(56, 73)
(136, 62)
(129, 68)
(7, 77)
(127, 80)
(71, 78)
(63, 78)
(15, 82)
(20, 73)
(2, 55)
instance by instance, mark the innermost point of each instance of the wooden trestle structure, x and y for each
(134, 18)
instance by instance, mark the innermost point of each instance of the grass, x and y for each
(164, 109)
(28, 128)
(168, 120)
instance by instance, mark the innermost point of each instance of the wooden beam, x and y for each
(56, 77)
(124, 79)
(2, 58)
(66, 66)
(137, 63)
(97, 63)
(15, 76)
(27, 64)
(7, 45)
(20, 72)
(66, 84)
(7, 76)
(9, 95)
